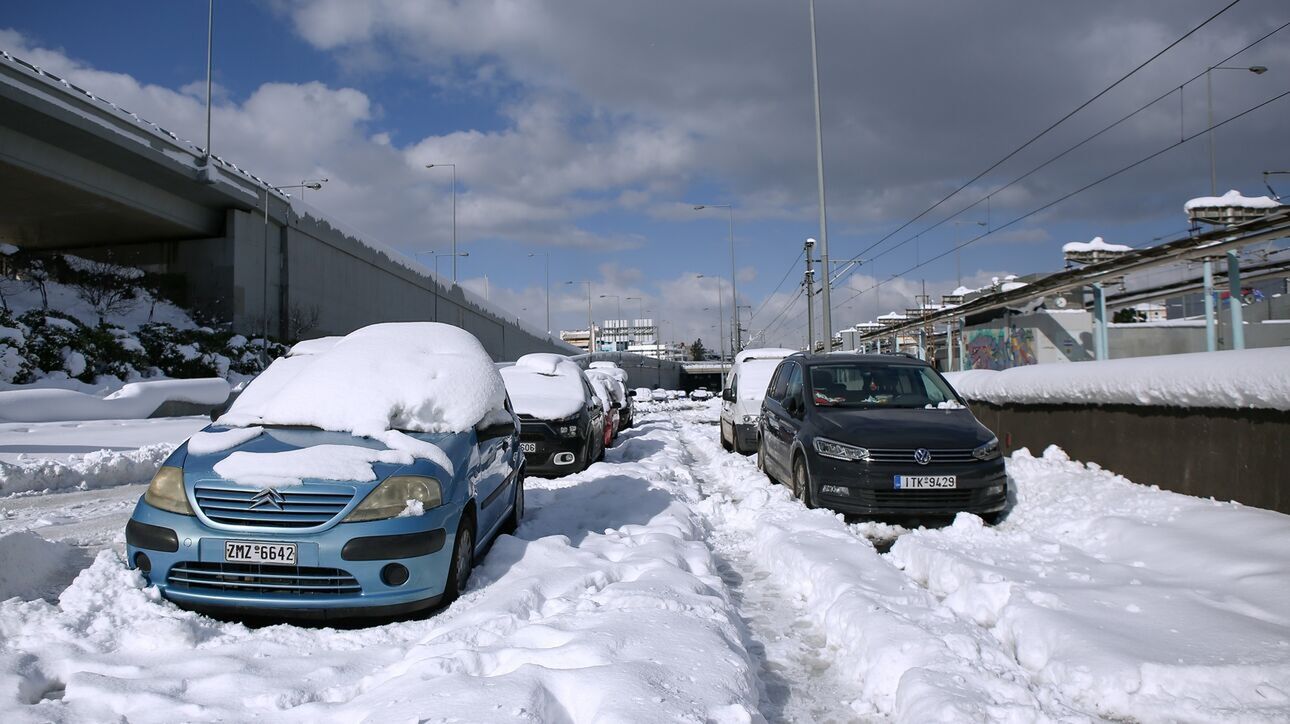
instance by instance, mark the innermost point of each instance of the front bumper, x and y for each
(549, 449)
(326, 582)
(869, 488)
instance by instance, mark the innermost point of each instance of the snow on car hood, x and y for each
(416, 376)
(545, 386)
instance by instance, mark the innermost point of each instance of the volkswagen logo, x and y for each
(922, 456)
(268, 496)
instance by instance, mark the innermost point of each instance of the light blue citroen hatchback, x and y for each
(361, 480)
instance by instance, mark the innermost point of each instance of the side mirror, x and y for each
(631, 393)
(728, 394)
(490, 432)
(793, 406)
(617, 405)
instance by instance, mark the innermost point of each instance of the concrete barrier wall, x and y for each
(641, 371)
(1239, 455)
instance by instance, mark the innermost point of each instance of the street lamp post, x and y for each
(1209, 103)
(315, 185)
(958, 268)
(453, 166)
(591, 329)
(827, 316)
(546, 257)
(733, 271)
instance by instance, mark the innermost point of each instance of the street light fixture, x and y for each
(733, 271)
(591, 329)
(314, 184)
(453, 166)
(1209, 103)
(546, 257)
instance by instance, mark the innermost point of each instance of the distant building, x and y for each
(675, 351)
(619, 335)
(578, 338)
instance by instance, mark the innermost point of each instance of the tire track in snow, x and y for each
(896, 648)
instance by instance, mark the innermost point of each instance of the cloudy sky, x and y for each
(587, 129)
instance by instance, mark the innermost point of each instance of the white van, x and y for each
(743, 393)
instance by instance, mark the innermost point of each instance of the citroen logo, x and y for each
(922, 456)
(268, 496)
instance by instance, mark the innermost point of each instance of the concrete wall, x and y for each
(1225, 454)
(641, 371)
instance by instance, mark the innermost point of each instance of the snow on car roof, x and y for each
(754, 378)
(417, 376)
(764, 353)
(546, 386)
(314, 346)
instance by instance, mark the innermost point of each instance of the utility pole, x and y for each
(827, 316)
(809, 281)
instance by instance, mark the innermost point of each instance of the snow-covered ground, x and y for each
(673, 582)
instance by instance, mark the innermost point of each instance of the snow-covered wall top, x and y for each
(1252, 378)
(1231, 199)
(1097, 244)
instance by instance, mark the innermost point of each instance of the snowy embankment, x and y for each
(606, 607)
(1235, 379)
(134, 401)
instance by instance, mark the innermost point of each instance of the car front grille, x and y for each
(256, 578)
(902, 455)
(930, 500)
(301, 507)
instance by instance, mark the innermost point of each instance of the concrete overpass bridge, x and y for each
(79, 174)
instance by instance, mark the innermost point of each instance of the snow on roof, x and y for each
(417, 376)
(546, 386)
(134, 401)
(754, 377)
(603, 365)
(1252, 378)
(960, 291)
(1097, 244)
(1231, 199)
(764, 353)
(892, 315)
(314, 346)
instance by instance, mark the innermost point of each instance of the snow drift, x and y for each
(134, 401)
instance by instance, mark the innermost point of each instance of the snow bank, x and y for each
(1235, 379)
(134, 401)
(1231, 199)
(419, 376)
(1136, 604)
(32, 567)
(606, 607)
(546, 386)
(100, 469)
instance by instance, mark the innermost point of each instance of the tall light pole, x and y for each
(733, 271)
(720, 313)
(958, 268)
(591, 328)
(827, 316)
(453, 166)
(264, 311)
(546, 257)
(1209, 103)
(311, 183)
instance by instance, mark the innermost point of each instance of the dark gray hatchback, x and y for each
(878, 434)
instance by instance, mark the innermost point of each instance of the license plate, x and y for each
(528, 447)
(925, 482)
(246, 551)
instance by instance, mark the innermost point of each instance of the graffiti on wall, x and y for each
(999, 349)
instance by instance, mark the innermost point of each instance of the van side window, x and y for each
(734, 385)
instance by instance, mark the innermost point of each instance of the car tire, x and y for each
(802, 482)
(463, 561)
(761, 460)
(725, 444)
(512, 523)
(993, 519)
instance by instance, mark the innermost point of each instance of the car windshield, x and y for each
(860, 384)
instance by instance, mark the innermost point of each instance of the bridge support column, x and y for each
(1211, 330)
(1234, 299)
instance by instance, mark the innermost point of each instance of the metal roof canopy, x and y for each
(1274, 225)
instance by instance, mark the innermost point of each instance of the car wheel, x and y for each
(463, 560)
(725, 444)
(761, 459)
(802, 483)
(994, 518)
(517, 511)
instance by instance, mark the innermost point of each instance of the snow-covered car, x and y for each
(562, 424)
(360, 480)
(659, 395)
(878, 434)
(600, 388)
(742, 395)
(700, 394)
(624, 396)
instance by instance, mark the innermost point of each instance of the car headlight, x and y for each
(392, 496)
(840, 450)
(567, 427)
(166, 491)
(988, 451)
(749, 419)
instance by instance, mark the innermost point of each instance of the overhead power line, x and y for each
(791, 267)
